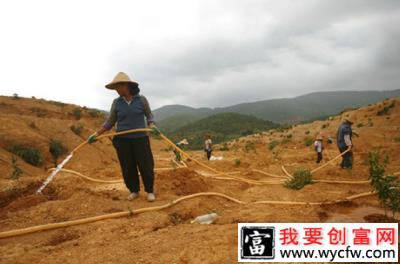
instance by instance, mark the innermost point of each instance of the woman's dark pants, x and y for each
(208, 152)
(319, 157)
(134, 153)
(347, 159)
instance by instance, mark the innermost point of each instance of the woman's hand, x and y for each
(92, 138)
(154, 129)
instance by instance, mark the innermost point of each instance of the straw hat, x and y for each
(183, 142)
(349, 120)
(319, 137)
(121, 77)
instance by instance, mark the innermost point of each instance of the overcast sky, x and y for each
(198, 53)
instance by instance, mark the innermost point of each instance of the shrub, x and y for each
(286, 141)
(77, 112)
(387, 186)
(30, 155)
(15, 96)
(56, 149)
(273, 144)
(77, 129)
(60, 104)
(284, 128)
(39, 111)
(95, 113)
(397, 139)
(324, 126)
(360, 125)
(385, 109)
(307, 132)
(308, 141)
(301, 178)
(289, 136)
(16, 171)
(249, 146)
(224, 147)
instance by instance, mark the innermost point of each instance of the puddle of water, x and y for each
(353, 215)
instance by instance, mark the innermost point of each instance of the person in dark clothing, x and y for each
(344, 142)
(128, 111)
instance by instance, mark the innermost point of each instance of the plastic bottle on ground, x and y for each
(205, 219)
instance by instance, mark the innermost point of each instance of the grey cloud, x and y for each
(300, 49)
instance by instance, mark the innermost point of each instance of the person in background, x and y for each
(208, 146)
(318, 148)
(344, 143)
(128, 111)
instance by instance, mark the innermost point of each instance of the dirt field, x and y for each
(167, 236)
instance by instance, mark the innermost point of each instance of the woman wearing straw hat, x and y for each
(128, 111)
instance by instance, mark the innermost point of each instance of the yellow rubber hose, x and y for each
(39, 228)
(99, 180)
(113, 134)
(215, 176)
(329, 162)
(226, 176)
(269, 174)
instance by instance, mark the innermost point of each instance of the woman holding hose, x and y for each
(129, 111)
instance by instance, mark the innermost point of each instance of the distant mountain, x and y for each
(285, 110)
(175, 122)
(168, 111)
(222, 127)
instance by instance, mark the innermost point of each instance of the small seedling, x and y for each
(16, 171)
(39, 111)
(308, 141)
(301, 178)
(77, 129)
(237, 162)
(33, 125)
(56, 149)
